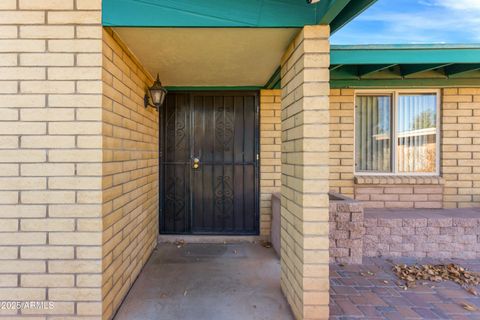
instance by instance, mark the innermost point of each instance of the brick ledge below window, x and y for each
(389, 179)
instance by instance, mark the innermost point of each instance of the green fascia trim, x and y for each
(329, 9)
(364, 70)
(458, 69)
(209, 13)
(346, 72)
(349, 12)
(410, 69)
(404, 83)
(274, 79)
(335, 67)
(431, 46)
(358, 55)
(215, 88)
(231, 13)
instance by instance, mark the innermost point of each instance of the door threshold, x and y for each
(163, 238)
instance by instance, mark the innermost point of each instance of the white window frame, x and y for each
(394, 93)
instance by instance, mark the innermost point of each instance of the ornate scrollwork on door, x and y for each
(224, 127)
(174, 200)
(170, 128)
(176, 127)
(224, 196)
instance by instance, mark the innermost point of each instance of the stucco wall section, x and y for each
(461, 147)
(305, 177)
(270, 155)
(50, 156)
(130, 171)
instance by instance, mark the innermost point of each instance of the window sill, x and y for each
(393, 179)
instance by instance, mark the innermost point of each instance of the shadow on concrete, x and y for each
(208, 281)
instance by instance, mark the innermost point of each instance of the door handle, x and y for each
(196, 163)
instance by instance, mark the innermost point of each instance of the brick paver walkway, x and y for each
(376, 294)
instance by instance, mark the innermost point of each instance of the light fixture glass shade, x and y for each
(157, 93)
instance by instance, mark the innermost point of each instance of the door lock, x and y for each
(196, 163)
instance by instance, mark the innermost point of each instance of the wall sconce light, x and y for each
(156, 94)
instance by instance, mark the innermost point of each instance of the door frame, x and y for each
(161, 114)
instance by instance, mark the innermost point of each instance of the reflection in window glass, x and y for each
(417, 133)
(373, 133)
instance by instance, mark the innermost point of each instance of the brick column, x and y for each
(305, 174)
(50, 156)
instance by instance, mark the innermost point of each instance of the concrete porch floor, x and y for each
(208, 281)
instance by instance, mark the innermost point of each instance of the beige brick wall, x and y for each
(270, 155)
(460, 157)
(461, 147)
(50, 156)
(130, 171)
(305, 183)
(415, 193)
(342, 108)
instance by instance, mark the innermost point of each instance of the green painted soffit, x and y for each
(230, 13)
(405, 66)
(402, 66)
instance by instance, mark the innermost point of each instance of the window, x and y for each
(396, 132)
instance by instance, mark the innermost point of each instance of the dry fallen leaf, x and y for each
(180, 243)
(437, 273)
(266, 244)
(472, 291)
(468, 307)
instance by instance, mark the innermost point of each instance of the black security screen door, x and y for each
(209, 147)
